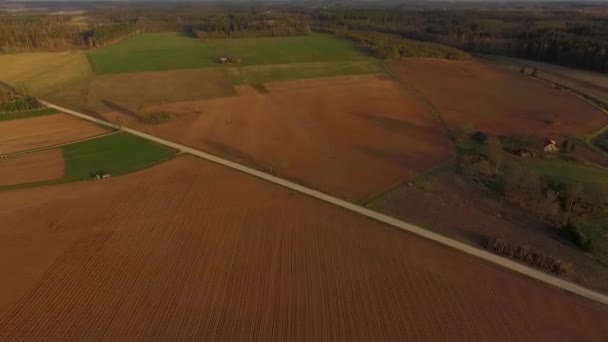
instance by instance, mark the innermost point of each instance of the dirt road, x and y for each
(506, 263)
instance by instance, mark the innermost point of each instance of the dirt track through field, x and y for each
(193, 250)
(32, 167)
(26, 134)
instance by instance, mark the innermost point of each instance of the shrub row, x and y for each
(526, 255)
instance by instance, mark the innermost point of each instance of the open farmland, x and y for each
(26, 114)
(257, 74)
(169, 51)
(116, 154)
(191, 250)
(32, 167)
(129, 92)
(593, 84)
(352, 136)
(44, 73)
(496, 100)
(42, 131)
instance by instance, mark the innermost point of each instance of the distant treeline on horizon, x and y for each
(559, 33)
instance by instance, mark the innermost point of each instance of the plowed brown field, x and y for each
(189, 250)
(31, 133)
(32, 167)
(493, 99)
(351, 136)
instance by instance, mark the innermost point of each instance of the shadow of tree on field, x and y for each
(231, 152)
(398, 126)
(396, 158)
(118, 108)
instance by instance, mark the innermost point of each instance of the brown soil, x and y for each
(351, 136)
(497, 100)
(31, 133)
(128, 92)
(447, 204)
(189, 250)
(32, 167)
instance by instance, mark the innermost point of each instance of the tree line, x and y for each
(236, 26)
(59, 32)
(564, 37)
(559, 35)
(98, 28)
(388, 46)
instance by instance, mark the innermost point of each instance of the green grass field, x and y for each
(169, 51)
(116, 154)
(568, 172)
(157, 68)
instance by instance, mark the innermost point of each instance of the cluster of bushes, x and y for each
(11, 102)
(156, 118)
(565, 205)
(602, 141)
(526, 255)
(393, 46)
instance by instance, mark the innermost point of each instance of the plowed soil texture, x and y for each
(352, 136)
(189, 250)
(486, 97)
(32, 167)
(36, 132)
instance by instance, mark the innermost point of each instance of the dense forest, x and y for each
(555, 34)
(61, 32)
(234, 26)
(568, 37)
(389, 46)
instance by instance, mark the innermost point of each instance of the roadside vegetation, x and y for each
(115, 154)
(18, 105)
(12, 100)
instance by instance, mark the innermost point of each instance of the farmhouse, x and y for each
(550, 145)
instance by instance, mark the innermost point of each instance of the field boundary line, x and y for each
(426, 102)
(391, 221)
(44, 148)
